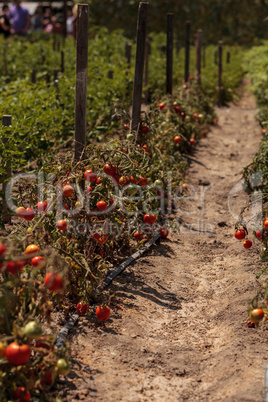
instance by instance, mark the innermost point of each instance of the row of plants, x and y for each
(85, 218)
(256, 182)
(72, 222)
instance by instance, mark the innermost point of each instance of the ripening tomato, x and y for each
(17, 354)
(67, 190)
(44, 343)
(63, 367)
(177, 139)
(82, 308)
(247, 243)
(142, 181)
(32, 249)
(195, 116)
(192, 141)
(62, 224)
(108, 169)
(256, 315)
(98, 180)
(53, 282)
(90, 176)
(42, 206)
(32, 330)
(265, 222)
(14, 267)
(204, 133)
(100, 238)
(182, 115)
(101, 205)
(88, 189)
(21, 211)
(29, 214)
(161, 106)
(38, 262)
(149, 218)
(138, 235)
(259, 235)
(20, 394)
(240, 234)
(126, 126)
(145, 148)
(3, 249)
(263, 131)
(144, 128)
(164, 233)
(103, 313)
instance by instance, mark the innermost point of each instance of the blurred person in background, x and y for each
(20, 19)
(37, 19)
(4, 21)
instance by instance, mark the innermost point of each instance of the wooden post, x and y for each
(204, 55)
(81, 81)
(128, 53)
(33, 77)
(216, 57)
(187, 51)
(5, 61)
(198, 56)
(62, 62)
(228, 57)
(219, 71)
(110, 74)
(139, 65)
(55, 74)
(6, 122)
(169, 54)
(146, 70)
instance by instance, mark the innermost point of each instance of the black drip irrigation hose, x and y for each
(109, 278)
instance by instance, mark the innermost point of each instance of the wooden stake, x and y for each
(6, 122)
(128, 53)
(204, 54)
(65, 18)
(81, 81)
(169, 54)
(146, 70)
(219, 71)
(33, 78)
(139, 66)
(228, 57)
(110, 74)
(5, 61)
(187, 51)
(62, 62)
(198, 56)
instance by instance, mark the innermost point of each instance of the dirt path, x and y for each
(177, 330)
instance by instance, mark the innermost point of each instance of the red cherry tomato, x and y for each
(38, 262)
(101, 205)
(149, 218)
(82, 308)
(90, 176)
(247, 243)
(53, 282)
(103, 313)
(20, 394)
(29, 214)
(17, 354)
(177, 139)
(240, 234)
(62, 224)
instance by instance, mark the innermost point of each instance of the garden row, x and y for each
(256, 182)
(74, 220)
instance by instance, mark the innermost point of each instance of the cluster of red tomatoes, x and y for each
(240, 234)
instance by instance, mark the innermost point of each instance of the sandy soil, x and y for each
(177, 330)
